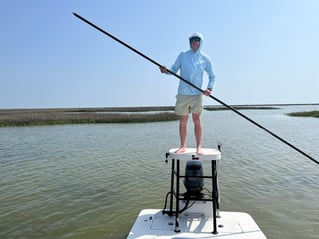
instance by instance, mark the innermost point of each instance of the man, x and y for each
(192, 64)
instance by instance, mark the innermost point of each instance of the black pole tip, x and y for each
(75, 14)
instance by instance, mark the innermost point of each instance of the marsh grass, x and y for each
(314, 113)
(240, 107)
(55, 116)
(31, 117)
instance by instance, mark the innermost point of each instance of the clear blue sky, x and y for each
(263, 51)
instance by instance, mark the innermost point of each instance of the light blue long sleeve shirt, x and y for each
(192, 66)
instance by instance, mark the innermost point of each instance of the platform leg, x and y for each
(218, 192)
(214, 195)
(177, 229)
(172, 188)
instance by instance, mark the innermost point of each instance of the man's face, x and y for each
(195, 43)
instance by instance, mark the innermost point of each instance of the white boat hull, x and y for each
(152, 224)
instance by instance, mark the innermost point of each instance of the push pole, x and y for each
(197, 88)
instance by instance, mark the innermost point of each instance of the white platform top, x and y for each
(190, 154)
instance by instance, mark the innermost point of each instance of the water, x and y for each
(91, 181)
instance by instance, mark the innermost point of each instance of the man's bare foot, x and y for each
(180, 150)
(200, 151)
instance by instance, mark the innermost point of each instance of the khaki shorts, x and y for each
(186, 104)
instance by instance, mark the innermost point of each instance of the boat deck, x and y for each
(152, 224)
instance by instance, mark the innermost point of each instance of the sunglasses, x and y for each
(194, 39)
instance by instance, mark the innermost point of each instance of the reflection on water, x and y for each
(91, 181)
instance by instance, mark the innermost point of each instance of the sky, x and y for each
(263, 51)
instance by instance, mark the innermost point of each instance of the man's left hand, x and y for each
(207, 92)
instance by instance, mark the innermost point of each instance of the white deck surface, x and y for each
(151, 224)
(190, 154)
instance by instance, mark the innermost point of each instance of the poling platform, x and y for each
(193, 214)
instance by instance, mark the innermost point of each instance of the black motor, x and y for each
(193, 178)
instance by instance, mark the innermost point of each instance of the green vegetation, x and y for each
(30, 117)
(241, 107)
(82, 116)
(314, 113)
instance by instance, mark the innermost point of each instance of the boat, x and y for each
(192, 210)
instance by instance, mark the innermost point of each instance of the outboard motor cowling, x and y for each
(193, 181)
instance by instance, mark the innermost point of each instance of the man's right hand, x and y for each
(163, 69)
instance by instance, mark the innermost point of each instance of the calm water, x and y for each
(91, 181)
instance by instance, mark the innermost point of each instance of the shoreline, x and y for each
(95, 115)
(146, 108)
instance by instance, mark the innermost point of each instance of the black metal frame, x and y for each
(175, 193)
